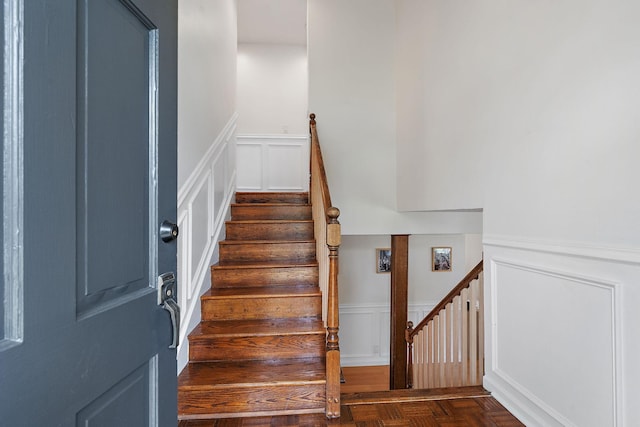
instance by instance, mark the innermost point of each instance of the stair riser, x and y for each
(269, 231)
(260, 308)
(293, 198)
(223, 402)
(267, 252)
(251, 212)
(256, 348)
(227, 278)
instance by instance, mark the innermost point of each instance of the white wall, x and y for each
(207, 50)
(352, 92)
(272, 89)
(206, 146)
(440, 158)
(365, 294)
(547, 96)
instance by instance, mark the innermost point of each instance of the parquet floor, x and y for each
(366, 402)
(466, 408)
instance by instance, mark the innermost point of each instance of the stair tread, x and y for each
(259, 197)
(270, 264)
(269, 221)
(263, 291)
(248, 373)
(257, 327)
(264, 242)
(270, 204)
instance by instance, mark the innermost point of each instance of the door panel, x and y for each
(84, 341)
(118, 405)
(116, 67)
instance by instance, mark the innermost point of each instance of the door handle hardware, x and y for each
(168, 231)
(166, 298)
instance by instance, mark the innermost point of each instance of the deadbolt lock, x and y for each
(168, 231)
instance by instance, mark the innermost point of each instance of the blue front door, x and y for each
(89, 174)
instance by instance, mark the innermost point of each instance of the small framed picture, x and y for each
(441, 259)
(383, 260)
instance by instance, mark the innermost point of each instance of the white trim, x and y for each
(531, 415)
(199, 276)
(278, 137)
(516, 394)
(577, 249)
(184, 267)
(193, 282)
(197, 191)
(218, 213)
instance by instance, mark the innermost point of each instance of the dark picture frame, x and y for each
(383, 260)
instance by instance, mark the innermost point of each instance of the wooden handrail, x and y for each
(315, 146)
(472, 275)
(328, 237)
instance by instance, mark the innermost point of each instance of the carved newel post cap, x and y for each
(333, 212)
(312, 116)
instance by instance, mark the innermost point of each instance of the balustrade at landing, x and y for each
(446, 349)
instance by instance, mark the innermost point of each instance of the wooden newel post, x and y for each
(409, 338)
(333, 321)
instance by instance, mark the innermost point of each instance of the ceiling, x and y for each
(272, 21)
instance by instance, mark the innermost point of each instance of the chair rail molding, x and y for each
(576, 249)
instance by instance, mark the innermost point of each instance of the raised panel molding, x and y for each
(128, 396)
(570, 312)
(273, 162)
(362, 345)
(203, 204)
(199, 214)
(250, 165)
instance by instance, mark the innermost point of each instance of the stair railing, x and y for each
(446, 349)
(327, 235)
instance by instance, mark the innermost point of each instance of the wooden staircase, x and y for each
(260, 347)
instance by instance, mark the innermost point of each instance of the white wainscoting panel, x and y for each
(554, 334)
(199, 214)
(365, 329)
(203, 205)
(273, 163)
(250, 161)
